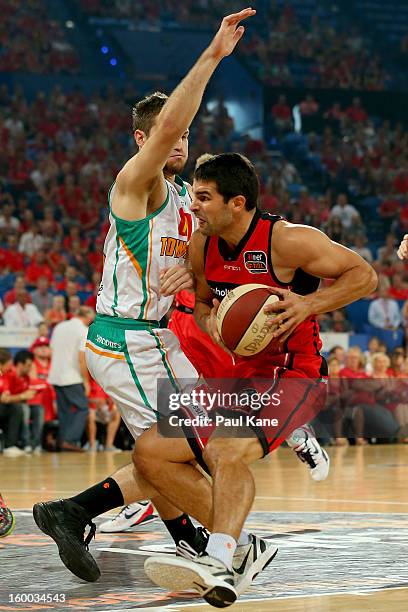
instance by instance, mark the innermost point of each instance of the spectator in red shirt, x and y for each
(18, 389)
(309, 106)
(356, 112)
(41, 366)
(39, 267)
(10, 258)
(11, 409)
(354, 396)
(55, 257)
(399, 289)
(282, 115)
(401, 181)
(10, 297)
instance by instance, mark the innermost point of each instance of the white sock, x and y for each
(243, 539)
(296, 438)
(222, 547)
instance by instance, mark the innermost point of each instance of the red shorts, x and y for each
(207, 357)
(299, 380)
(96, 393)
(273, 407)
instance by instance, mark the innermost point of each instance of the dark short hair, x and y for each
(23, 356)
(5, 356)
(146, 110)
(233, 174)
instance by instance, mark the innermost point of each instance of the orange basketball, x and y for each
(241, 321)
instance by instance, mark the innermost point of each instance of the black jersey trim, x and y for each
(324, 368)
(273, 219)
(206, 245)
(302, 282)
(232, 255)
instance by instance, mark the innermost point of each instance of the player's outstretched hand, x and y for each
(291, 310)
(403, 248)
(230, 32)
(175, 279)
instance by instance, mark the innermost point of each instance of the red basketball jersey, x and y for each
(251, 262)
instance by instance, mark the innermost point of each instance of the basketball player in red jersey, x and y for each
(212, 362)
(232, 234)
(40, 369)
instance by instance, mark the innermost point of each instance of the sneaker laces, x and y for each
(91, 534)
(305, 454)
(121, 513)
(77, 527)
(184, 549)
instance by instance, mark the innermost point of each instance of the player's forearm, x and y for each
(82, 367)
(202, 312)
(356, 283)
(7, 398)
(183, 104)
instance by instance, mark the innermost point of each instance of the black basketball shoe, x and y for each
(65, 521)
(6, 519)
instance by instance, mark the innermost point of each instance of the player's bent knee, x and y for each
(144, 454)
(231, 451)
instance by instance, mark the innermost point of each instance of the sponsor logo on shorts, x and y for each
(109, 343)
(256, 262)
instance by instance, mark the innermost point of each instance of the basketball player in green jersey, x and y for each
(126, 350)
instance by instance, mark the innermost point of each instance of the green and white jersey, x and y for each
(137, 251)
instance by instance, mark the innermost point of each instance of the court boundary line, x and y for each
(29, 510)
(257, 497)
(332, 501)
(176, 607)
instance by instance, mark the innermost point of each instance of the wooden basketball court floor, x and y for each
(343, 543)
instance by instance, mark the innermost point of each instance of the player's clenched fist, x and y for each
(403, 248)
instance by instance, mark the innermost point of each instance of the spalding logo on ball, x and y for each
(241, 321)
